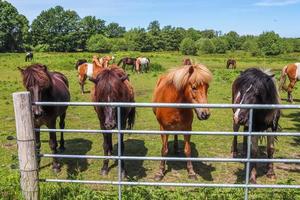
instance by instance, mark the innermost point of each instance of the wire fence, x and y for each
(119, 131)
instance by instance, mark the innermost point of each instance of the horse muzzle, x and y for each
(202, 114)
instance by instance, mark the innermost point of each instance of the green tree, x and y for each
(193, 34)
(296, 45)
(89, 26)
(188, 47)
(13, 28)
(250, 45)
(99, 43)
(233, 40)
(270, 43)
(114, 30)
(119, 44)
(205, 45)
(58, 28)
(154, 28)
(220, 44)
(139, 40)
(208, 34)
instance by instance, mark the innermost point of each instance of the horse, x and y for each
(255, 86)
(127, 61)
(187, 84)
(86, 70)
(44, 85)
(142, 64)
(292, 71)
(112, 85)
(28, 56)
(187, 61)
(232, 63)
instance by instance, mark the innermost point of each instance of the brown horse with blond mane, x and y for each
(44, 85)
(187, 84)
(89, 70)
(292, 71)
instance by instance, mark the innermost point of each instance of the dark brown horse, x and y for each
(28, 56)
(255, 86)
(187, 61)
(127, 61)
(112, 85)
(44, 85)
(232, 63)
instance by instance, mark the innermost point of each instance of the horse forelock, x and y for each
(181, 77)
(36, 75)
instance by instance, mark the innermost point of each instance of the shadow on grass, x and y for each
(200, 168)
(134, 168)
(295, 117)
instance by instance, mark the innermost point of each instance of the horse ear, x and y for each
(272, 75)
(93, 80)
(191, 69)
(21, 70)
(125, 77)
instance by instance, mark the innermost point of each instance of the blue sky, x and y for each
(242, 16)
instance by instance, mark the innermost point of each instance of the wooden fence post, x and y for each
(26, 145)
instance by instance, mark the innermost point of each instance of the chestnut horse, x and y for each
(142, 64)
(292, 71)
(232, 63)
(255, 86)
(44, 85)
(187, 84)
(112, 85)
(90, 69)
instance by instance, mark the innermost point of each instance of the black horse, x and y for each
(127, 61)
(255, 86)
(29, 56)
(232, 63)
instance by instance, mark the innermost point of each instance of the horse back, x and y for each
(60, 87)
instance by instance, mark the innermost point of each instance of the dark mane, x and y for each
(80, 62)
(36, 74)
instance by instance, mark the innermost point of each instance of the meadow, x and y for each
(147, 145)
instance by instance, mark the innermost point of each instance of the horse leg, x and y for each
(53, 146)
(62, 126)
(82, 79)
(290, 88)
(176, 151)
(188, 153)
(164, 151)
(245, 141)
(123, 171)
(270, 151)
(234, 150)
(38, 145)
(253, 167)
(106, 139)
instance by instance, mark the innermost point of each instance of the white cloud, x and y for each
(276, 2)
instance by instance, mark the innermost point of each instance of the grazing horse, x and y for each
(112, 85)
(28, 56)
(88, 70)
(232, 63)
(127, 61)
(187, 84)
(187, 61)
(44, 85)
(142, 64)
(292, 71)
(255, 86)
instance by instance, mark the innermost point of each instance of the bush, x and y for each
(99, 43)
(220, 44)
(156, 67)
(188, 47)
(42, 48)
(270, 43)
(119, 44)
(205, 45)
(251, 46)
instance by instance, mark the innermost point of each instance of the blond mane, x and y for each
(180, 77)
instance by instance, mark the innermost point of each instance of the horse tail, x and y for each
(120, 62)
(131, 118)
(282, 79)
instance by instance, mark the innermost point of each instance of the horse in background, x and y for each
(255, 86)
(112, 85)
(232, 63)
(44, 85)
(292, 71)
(187, 61)
(28, 56)
(104, 61)
(187, 84)
(142, 64)
(127, 61)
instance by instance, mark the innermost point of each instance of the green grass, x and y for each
(146, 145)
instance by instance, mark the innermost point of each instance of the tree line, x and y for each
(57, 29)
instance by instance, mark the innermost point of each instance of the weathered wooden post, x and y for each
(26, 145)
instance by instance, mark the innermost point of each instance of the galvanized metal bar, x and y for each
(158, 132)
(119, 153)
(203, 159)
(172, 184)
(248, 153)
(170, 105)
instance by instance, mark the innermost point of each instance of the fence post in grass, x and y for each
(26, 145)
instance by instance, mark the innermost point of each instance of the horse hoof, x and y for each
(234, 154)
(253, 181)
(104, 172)
(62, 148)
(192, 177)
(123, 174)
(158, 177)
